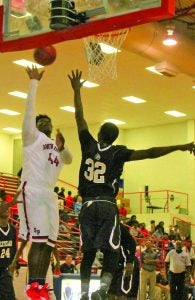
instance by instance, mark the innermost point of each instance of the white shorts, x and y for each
(39, 216)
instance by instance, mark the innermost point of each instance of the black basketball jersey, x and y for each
(100, 169)
(7, 245)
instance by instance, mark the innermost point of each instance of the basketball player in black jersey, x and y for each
(101, 167)
(7, 252)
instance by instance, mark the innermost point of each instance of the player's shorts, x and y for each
(122, 285)
(6, 286)
(39, 216)
(99, 225)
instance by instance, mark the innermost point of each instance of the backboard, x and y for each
(28, 24)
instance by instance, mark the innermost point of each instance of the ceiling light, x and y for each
(68, 108)
(114, 121)
(13, 130)
(175, 113)
(170, 39)
(108, 49)
(153, 69)
(27, 63)
(9, 112)
(18, 94)
(19, 16)
(193, 86)
(89, 84)
(134, 99)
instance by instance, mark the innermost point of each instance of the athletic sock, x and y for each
(41, 281)
(84, 288)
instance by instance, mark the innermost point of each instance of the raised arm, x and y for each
(161, 151)
(29, 130)
(63, 148)
(76, 84)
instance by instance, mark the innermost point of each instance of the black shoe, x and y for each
(84, 297)
(99, 295)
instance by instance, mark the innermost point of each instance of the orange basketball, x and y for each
(45, 56)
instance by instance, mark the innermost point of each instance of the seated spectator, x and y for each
(188, 248)
(132, 220)
(161, 226)
(171, 234)
(176, 229)
(64, 215)
(60, 205)
(167, 244)
(162, 289)
(56, 189)
(159, 232)
(189, 288)
(77, 205)
(122, 210)
(61, 193)
(69, 200)
(143, 232)
(2, 196)
(152, 227)
(67, 266)
(134, 230)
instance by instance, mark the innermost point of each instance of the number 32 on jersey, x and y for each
(95, 171)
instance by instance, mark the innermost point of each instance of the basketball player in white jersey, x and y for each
(43, 159)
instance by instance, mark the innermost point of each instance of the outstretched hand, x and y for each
(33, 73)
(75, 79)
(60, 140)
(189, 147)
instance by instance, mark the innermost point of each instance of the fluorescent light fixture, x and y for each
(170, 39)
(152, 69)
(27, 14)
(68, 108)
(134, 99)
(9, 112)
(18, 94)
(193, 86)
(13, 130)
(27, 63)
(108, 49)
(175, 113)
(89, 84)
(114, 121)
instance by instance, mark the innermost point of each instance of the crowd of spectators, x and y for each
(163, 271)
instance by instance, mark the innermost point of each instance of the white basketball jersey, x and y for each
(41, 163)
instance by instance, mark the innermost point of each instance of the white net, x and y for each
(102, 50)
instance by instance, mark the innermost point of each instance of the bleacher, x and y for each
(8, 183)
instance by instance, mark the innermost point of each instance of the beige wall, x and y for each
(174, 171)
(6, 153)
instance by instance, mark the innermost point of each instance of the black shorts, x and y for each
(99, 224)
(122, 285)
(6, 286)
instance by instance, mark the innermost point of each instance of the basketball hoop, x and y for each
(102, 50)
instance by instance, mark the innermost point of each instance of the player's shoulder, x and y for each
(119, 147)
